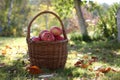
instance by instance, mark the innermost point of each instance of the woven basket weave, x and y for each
(50, 55)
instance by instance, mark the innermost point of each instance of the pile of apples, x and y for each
(54, 34)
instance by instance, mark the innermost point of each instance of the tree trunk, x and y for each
(81, 20)
(118, 24)
(9, 12)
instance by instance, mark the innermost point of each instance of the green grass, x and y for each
(108, 53)
(12, 41)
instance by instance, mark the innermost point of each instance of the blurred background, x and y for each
(99, 17)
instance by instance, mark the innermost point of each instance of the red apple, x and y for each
(42, 33)
(47, 36)
(56, 31)
(35, 39)
(57, 38)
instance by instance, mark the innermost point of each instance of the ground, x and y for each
(14, 59)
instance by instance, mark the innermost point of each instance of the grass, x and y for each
(15, 59)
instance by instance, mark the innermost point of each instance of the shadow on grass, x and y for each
(106, 51)
(13, 72)
(73, 72)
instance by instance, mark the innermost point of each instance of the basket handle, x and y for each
(63, 29)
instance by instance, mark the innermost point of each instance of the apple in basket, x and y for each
(42, 33)
(35, 39)
(58, 38)
(47, 36)
(56, 31)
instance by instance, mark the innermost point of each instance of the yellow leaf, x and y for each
(4, 52)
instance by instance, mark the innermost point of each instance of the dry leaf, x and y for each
(4, 52)
(84, 65)
(2, 64)
(81, 64)
(34, 70)
(77, 64)
(115, 70)
(85, 56)
(8, 47)
(90, 61)
(107, 69)
(104, 70)
(94, 58)
(90, 69)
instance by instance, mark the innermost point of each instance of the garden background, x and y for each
(91, 29)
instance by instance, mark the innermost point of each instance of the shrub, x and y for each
(78, 37)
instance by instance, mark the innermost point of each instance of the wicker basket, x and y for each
(50, 55)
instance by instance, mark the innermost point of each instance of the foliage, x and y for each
(106, 26)
(78, 37)
(13, 19)
(22, 11)
(64, 11)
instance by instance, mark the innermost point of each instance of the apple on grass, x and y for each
(47, 36)
(56, 31)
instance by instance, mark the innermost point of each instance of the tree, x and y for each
(66, 11)
(118, 23)
(14, 15)
(9, 12)
(82, 24)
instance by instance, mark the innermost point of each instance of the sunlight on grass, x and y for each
(16, 53)
(12, 41)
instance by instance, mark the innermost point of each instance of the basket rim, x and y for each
(49, 42)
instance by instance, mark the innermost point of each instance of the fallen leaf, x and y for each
(81, 64)
(2, 64)
(107, 69)
(90, 69)
(97, 68)
(34, 70)
(90, 61)
(115, 70)
(84, 65)
(77, 64)
(104, 70)
(97, 74)
(8, 47)
(85, 56)
(4, 52)
(94, 58)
